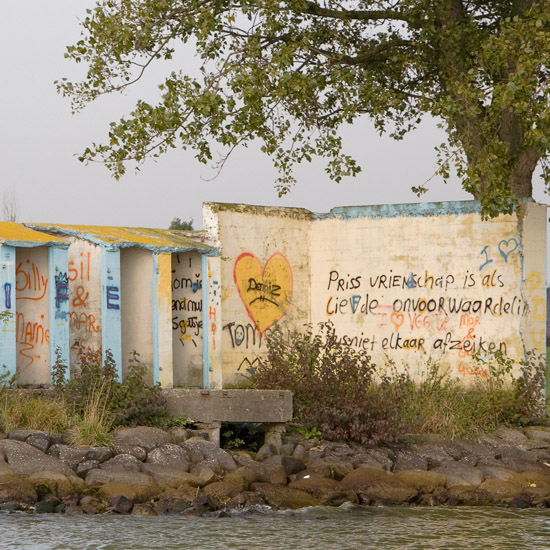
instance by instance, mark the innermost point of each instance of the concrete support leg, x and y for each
(213, 429)
(274, 434)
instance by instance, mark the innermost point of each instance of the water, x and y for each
(347, 528)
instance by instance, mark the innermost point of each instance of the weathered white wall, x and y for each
(84, 298)
(32, 326)
(187, 319)
(136, 305)
(413, 288)
(407, 283)
(265, 276)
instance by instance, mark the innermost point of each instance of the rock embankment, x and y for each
(149, 471)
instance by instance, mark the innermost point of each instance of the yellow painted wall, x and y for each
(265, 274)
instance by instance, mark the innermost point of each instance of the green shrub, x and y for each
(336, 389)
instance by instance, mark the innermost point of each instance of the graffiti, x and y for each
(85, 322)
(352, 304)
(212, 323)
(413, 280)
(30, 336)
(81, 270)
(112, 296)
(505, 248)
(469, 321)
(447, 306)
(243, 335)
(187, 282)
(247, 336)
(249, 366)
(81, 297)
(187, 315)
(536, 288)
(349, 283)
(487, 260)
(186, 304)
(61, 289)
(470, 344)
(471, 370)
(265, 292)
(7, 295)
(30, 281)
(359, 342)
(436, 321)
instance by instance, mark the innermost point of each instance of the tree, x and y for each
(176, 223)
(10, 205)
(291, 72)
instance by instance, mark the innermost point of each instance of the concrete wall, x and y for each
(404, 282)
(411, 287)
(84, 297)
(187, 319)
(136, 298)
(265, 274)
(32, 319)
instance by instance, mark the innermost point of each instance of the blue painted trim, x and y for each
(34, 244)
(205, 324)
(8, 336)
(59, 307)
(111, 334)
(156, 346)
(410, 210)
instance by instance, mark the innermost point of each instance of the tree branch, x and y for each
(312, 8)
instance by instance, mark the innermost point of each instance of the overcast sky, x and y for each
(40, 137)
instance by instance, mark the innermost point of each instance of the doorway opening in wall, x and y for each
(244, 435)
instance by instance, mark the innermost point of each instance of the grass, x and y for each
(93, 425)
(20, 410)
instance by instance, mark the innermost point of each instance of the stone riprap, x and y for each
(147, 471)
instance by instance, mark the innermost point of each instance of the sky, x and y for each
(40, 140)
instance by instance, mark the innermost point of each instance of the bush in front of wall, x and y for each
(335, 388)
(341, 393)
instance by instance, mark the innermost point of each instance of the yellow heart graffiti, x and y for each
(266, 292)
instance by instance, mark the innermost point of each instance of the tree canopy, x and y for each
(180, 225)
(290, 73)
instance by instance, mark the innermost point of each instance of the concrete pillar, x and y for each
(213, 429)
(212, 305)
(7, 304)
(532, 226)
(162, 320)
(59, 307)
(111, 334)
(274, 434)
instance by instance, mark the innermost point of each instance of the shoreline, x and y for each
(148, 471)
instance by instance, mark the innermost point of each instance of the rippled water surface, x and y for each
(314, 528)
